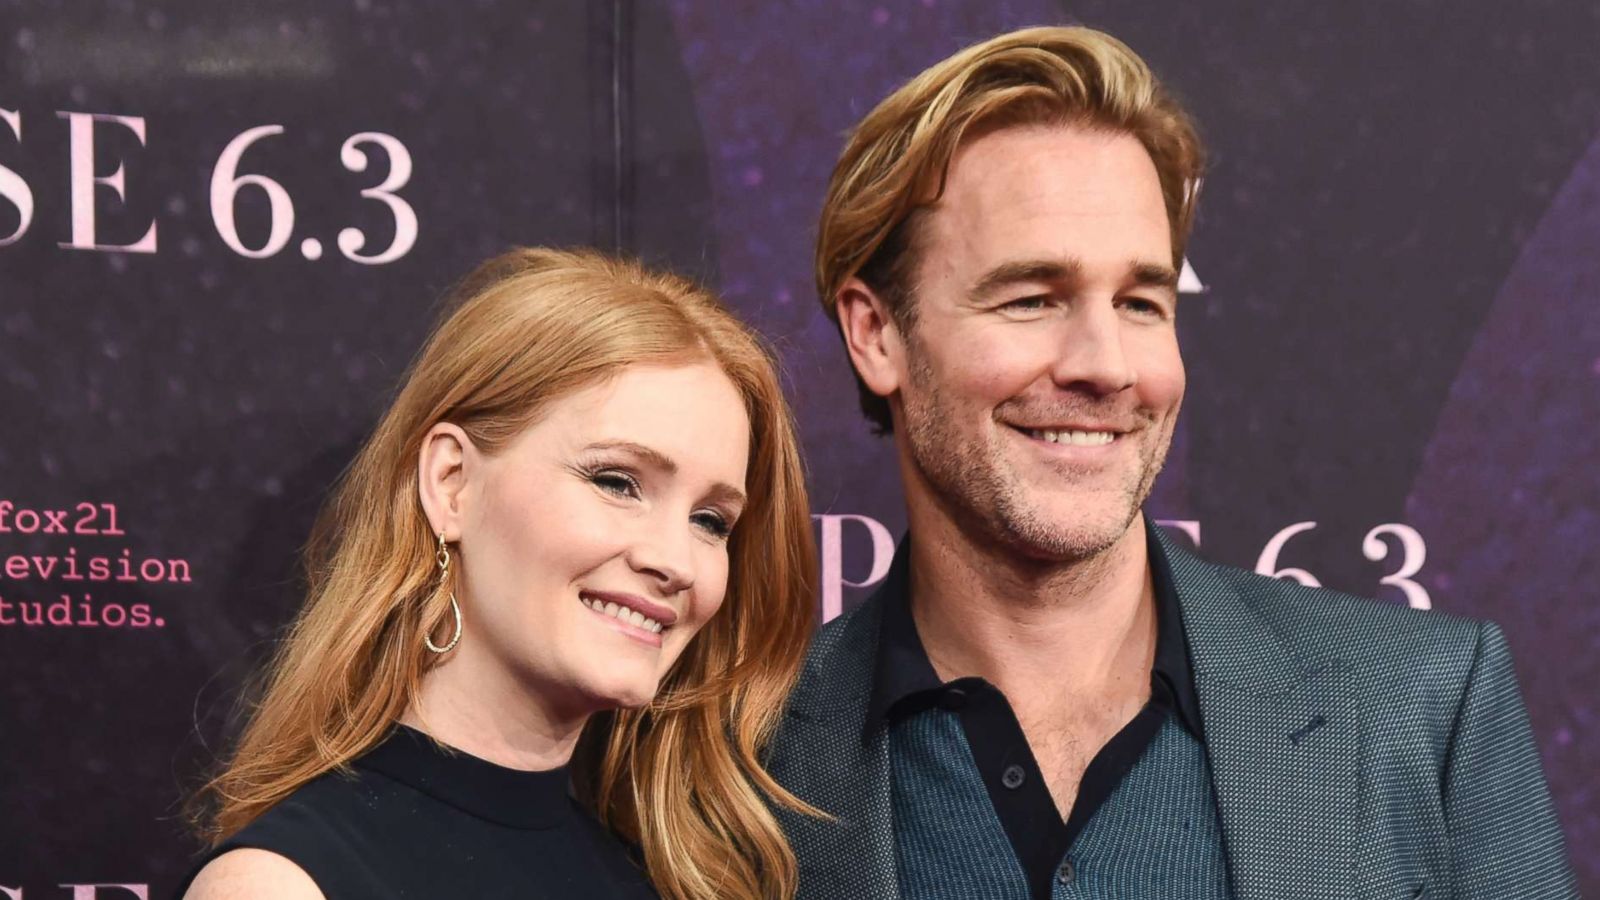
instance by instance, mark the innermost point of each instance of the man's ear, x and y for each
(442, 477)
(871, 336)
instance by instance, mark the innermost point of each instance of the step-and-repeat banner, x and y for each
(225, 227)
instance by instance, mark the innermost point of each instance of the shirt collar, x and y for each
(904, 679)
(512, 797)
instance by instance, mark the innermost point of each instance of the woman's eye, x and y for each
(713, 523)
(619, 483)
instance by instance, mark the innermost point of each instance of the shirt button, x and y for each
(1013, 777)
(953, 699)
(1066, 872)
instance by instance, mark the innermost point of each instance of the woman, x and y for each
(584, 514)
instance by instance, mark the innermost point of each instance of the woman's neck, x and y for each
(479, 709)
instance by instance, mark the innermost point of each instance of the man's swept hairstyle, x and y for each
(897, 159)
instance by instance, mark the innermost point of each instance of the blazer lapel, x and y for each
(820, 756)
(1283, 742)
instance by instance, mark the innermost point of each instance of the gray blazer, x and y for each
(1358, 750)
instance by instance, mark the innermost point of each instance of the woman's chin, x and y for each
(622, 696)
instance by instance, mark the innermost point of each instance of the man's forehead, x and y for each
(1020, 193)
(1035, 152)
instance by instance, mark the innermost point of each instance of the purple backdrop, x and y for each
(1391, 324)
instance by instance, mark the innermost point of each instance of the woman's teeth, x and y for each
(624, 614)
(1075, 438)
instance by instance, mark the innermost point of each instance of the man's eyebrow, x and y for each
(720, 492)
(1155, 275)
(1025, 270)
(1142, 274)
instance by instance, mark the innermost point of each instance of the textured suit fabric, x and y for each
(1357, 750)
(1156, 837)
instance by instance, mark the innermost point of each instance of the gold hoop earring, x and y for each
(442, 557)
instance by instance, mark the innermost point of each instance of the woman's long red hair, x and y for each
(682, 777)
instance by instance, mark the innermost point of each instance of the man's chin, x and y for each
(1052, 535)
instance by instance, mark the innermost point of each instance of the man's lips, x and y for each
(1074, 435)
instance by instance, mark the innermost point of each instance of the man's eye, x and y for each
(1143, 307)
(713, 523)
(620, 483)
(1027, 304)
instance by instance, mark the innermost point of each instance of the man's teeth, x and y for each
(1075, 438)
(624, 614)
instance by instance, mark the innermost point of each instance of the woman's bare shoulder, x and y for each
(250, 874)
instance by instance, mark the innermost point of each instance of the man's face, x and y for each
(1040, 382)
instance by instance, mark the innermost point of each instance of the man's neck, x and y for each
(1087, 625)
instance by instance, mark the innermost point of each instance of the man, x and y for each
(1046, 698)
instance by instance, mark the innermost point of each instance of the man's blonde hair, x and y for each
(896, 161)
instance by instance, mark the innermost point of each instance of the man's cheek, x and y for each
(1161, 378)
(992, 372)
(1170, 396)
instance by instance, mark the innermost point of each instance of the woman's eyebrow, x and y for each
(649, 454)
(720, 492)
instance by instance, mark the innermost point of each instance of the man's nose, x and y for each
(1091, 354)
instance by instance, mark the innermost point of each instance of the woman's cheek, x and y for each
(711, 603)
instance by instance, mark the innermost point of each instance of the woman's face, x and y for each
(595, 545)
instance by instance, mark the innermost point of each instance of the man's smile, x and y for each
(1073, 436)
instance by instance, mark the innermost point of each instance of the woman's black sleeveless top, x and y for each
(418, 820)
